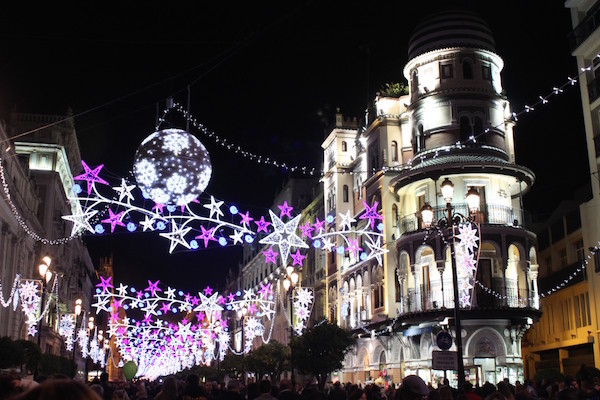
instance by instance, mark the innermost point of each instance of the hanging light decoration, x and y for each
(172, 166)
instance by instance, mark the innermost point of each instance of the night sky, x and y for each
(268, 76)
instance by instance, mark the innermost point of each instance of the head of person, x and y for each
(192, 380)
(264, 386)
(169, 385)
(234, 385)
(63, 389)
(285, 384)
(414, 388)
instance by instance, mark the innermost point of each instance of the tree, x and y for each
(32, 354)
(232, 364)
(321, 350)
(393, 90)
(11, 354)
(272, 358)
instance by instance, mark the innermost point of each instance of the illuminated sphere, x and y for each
(171, 166)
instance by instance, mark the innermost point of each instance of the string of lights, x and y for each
(8, 302)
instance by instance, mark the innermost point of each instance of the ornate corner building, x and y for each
(454, 123)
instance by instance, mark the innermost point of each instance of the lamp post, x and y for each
(46, 275)
(78, 307)
(451, 219)
(242, 316)
(288, 284)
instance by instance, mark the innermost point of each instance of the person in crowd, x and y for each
(192, 389)
(336, 392)
(60, 389)
(412, 388)
(234, 389)
(107, 387)
(469, 392)
(168, 390)
(286, 391)
(311, 392)
(264, 387)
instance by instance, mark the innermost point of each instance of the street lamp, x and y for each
(450, 221)
(78, 307)
(46, 275)
(242, 316)
(288, 284)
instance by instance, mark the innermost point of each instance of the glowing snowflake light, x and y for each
(172, 166)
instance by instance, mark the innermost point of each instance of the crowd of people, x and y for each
(412, 387)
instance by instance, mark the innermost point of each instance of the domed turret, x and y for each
(454, 28)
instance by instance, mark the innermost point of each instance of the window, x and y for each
(582, 310)
(465, 128)
(563, 258)
(478, 126)
(344, 146)
(467, 69)
(486, 72)
(394, 215)
(447, 71)
(394, 150)
(548, 261)
(345, 193)
(579, 251)
(415, 82)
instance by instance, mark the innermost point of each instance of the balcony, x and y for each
(502, 298)
(594, 89)
(493, 214)
(585, 28)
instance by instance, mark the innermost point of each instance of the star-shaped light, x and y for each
(153, 287)
(114, 220)
(270, 256)
(214, 207)
(170, 293)
(265, 290)
(177, 236)
(81, 221)
(353, 246)
(468, 236)
(124, 190)
(105, 283)
(328, 244)
(298, 258)
(147, 223)
(237, 237)
(261, 224)
(207, 235)
(284, 236)
(371, 214)
(285, 210)
(306, 230)
(122, 289)
(319, 226)
(376, 250)
(90, 175)
(347, 220)
(246, 219)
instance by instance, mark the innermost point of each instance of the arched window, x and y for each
(394, 215)
(345, 194)
(394, 150)
(465, 128)
(467, 69)
(414, 82)
(344, 146)
(478, 126)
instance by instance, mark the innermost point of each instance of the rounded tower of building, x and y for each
(456, 100)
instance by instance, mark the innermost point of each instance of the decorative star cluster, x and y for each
(190, 227)
(466, 249)
(160, 346)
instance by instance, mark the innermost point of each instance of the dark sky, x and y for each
(266, 75)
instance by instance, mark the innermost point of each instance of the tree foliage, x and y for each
(32, 354)
(393, 90)
(11, 354)
(51, 364)
(272, 358)
(232, 364)
(321, 350)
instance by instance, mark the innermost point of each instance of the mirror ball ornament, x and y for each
(172, 166)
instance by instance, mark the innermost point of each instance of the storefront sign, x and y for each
(444, 360)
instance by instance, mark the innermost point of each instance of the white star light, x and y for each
(124, 190)
(376, 250)
(122, 289)
(170, 293)
(237, 237)
(347, 220)
(176, 236)
(327, 244)
(81, 221)
(468, 236)
(284, 236)
(214, 207)
(147, 223)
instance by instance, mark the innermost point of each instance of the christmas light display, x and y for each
(171, 166)
(466, 250)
